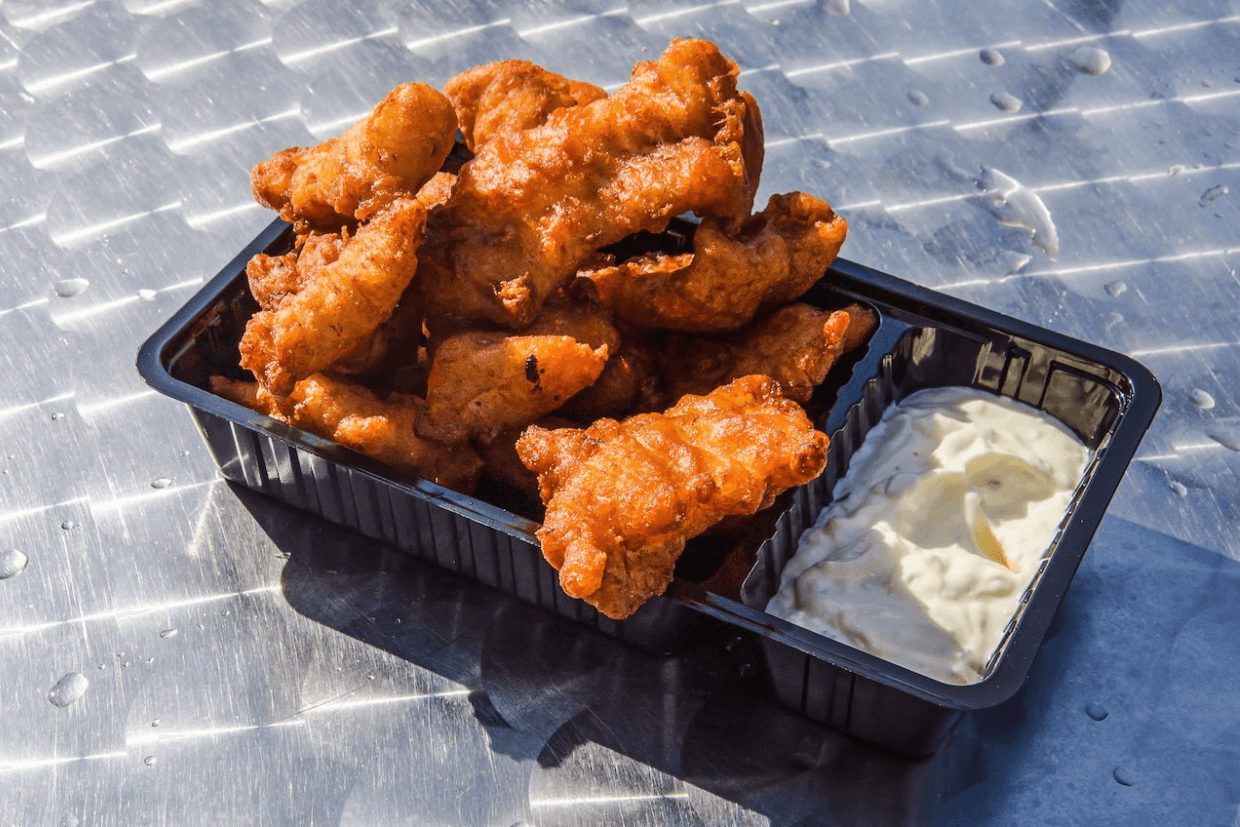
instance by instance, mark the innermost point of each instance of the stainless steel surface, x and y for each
(177, 651)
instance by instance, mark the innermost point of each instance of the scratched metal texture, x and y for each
(176, 651)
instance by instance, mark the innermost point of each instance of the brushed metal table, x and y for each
(177, 651)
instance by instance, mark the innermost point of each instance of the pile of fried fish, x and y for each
(526, 314)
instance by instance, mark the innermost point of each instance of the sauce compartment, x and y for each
(924, 339)
(929, 341)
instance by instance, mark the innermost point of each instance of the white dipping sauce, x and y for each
(902, 564)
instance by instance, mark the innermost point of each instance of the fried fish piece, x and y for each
(623, 497)
(437, 190)
(795, 345)
(389, 154)
(776, 256)
(629, 379)
(272, 279)
(392, 349)
(325, 302)
(534, 204)
(484, 382)
(351, 415)
(584, 320)
(510, 96)
(862, 322)
(252, 395)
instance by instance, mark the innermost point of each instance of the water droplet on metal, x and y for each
(1213, 193)
(147, 295)
(68, 288)
(155, 722)
(167, 633)
(1096, 711)
(1014, 262)
(991, 57)
(1007, 102)
(150, 760)
(1178, 487)
(1229, 439)
(918, 97)
(1091, 60)
(1116, 289)
(1177, 169)
(12, 563)
(840, 7)
(68, 689)
(68, 525)
(56, 417)
(162, 482)
(1202, 399)
(1015, 205)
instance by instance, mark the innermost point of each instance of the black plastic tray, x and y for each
(924, 339)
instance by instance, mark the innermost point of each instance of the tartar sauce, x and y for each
(935, 531)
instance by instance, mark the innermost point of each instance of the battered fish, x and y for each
(482, 383)
(511, 96)
(796, 346)
(623, 497)
(534, 204)
(629, 380)
(389, 154)
(324, 303)
(729, 277)
(351, 415)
